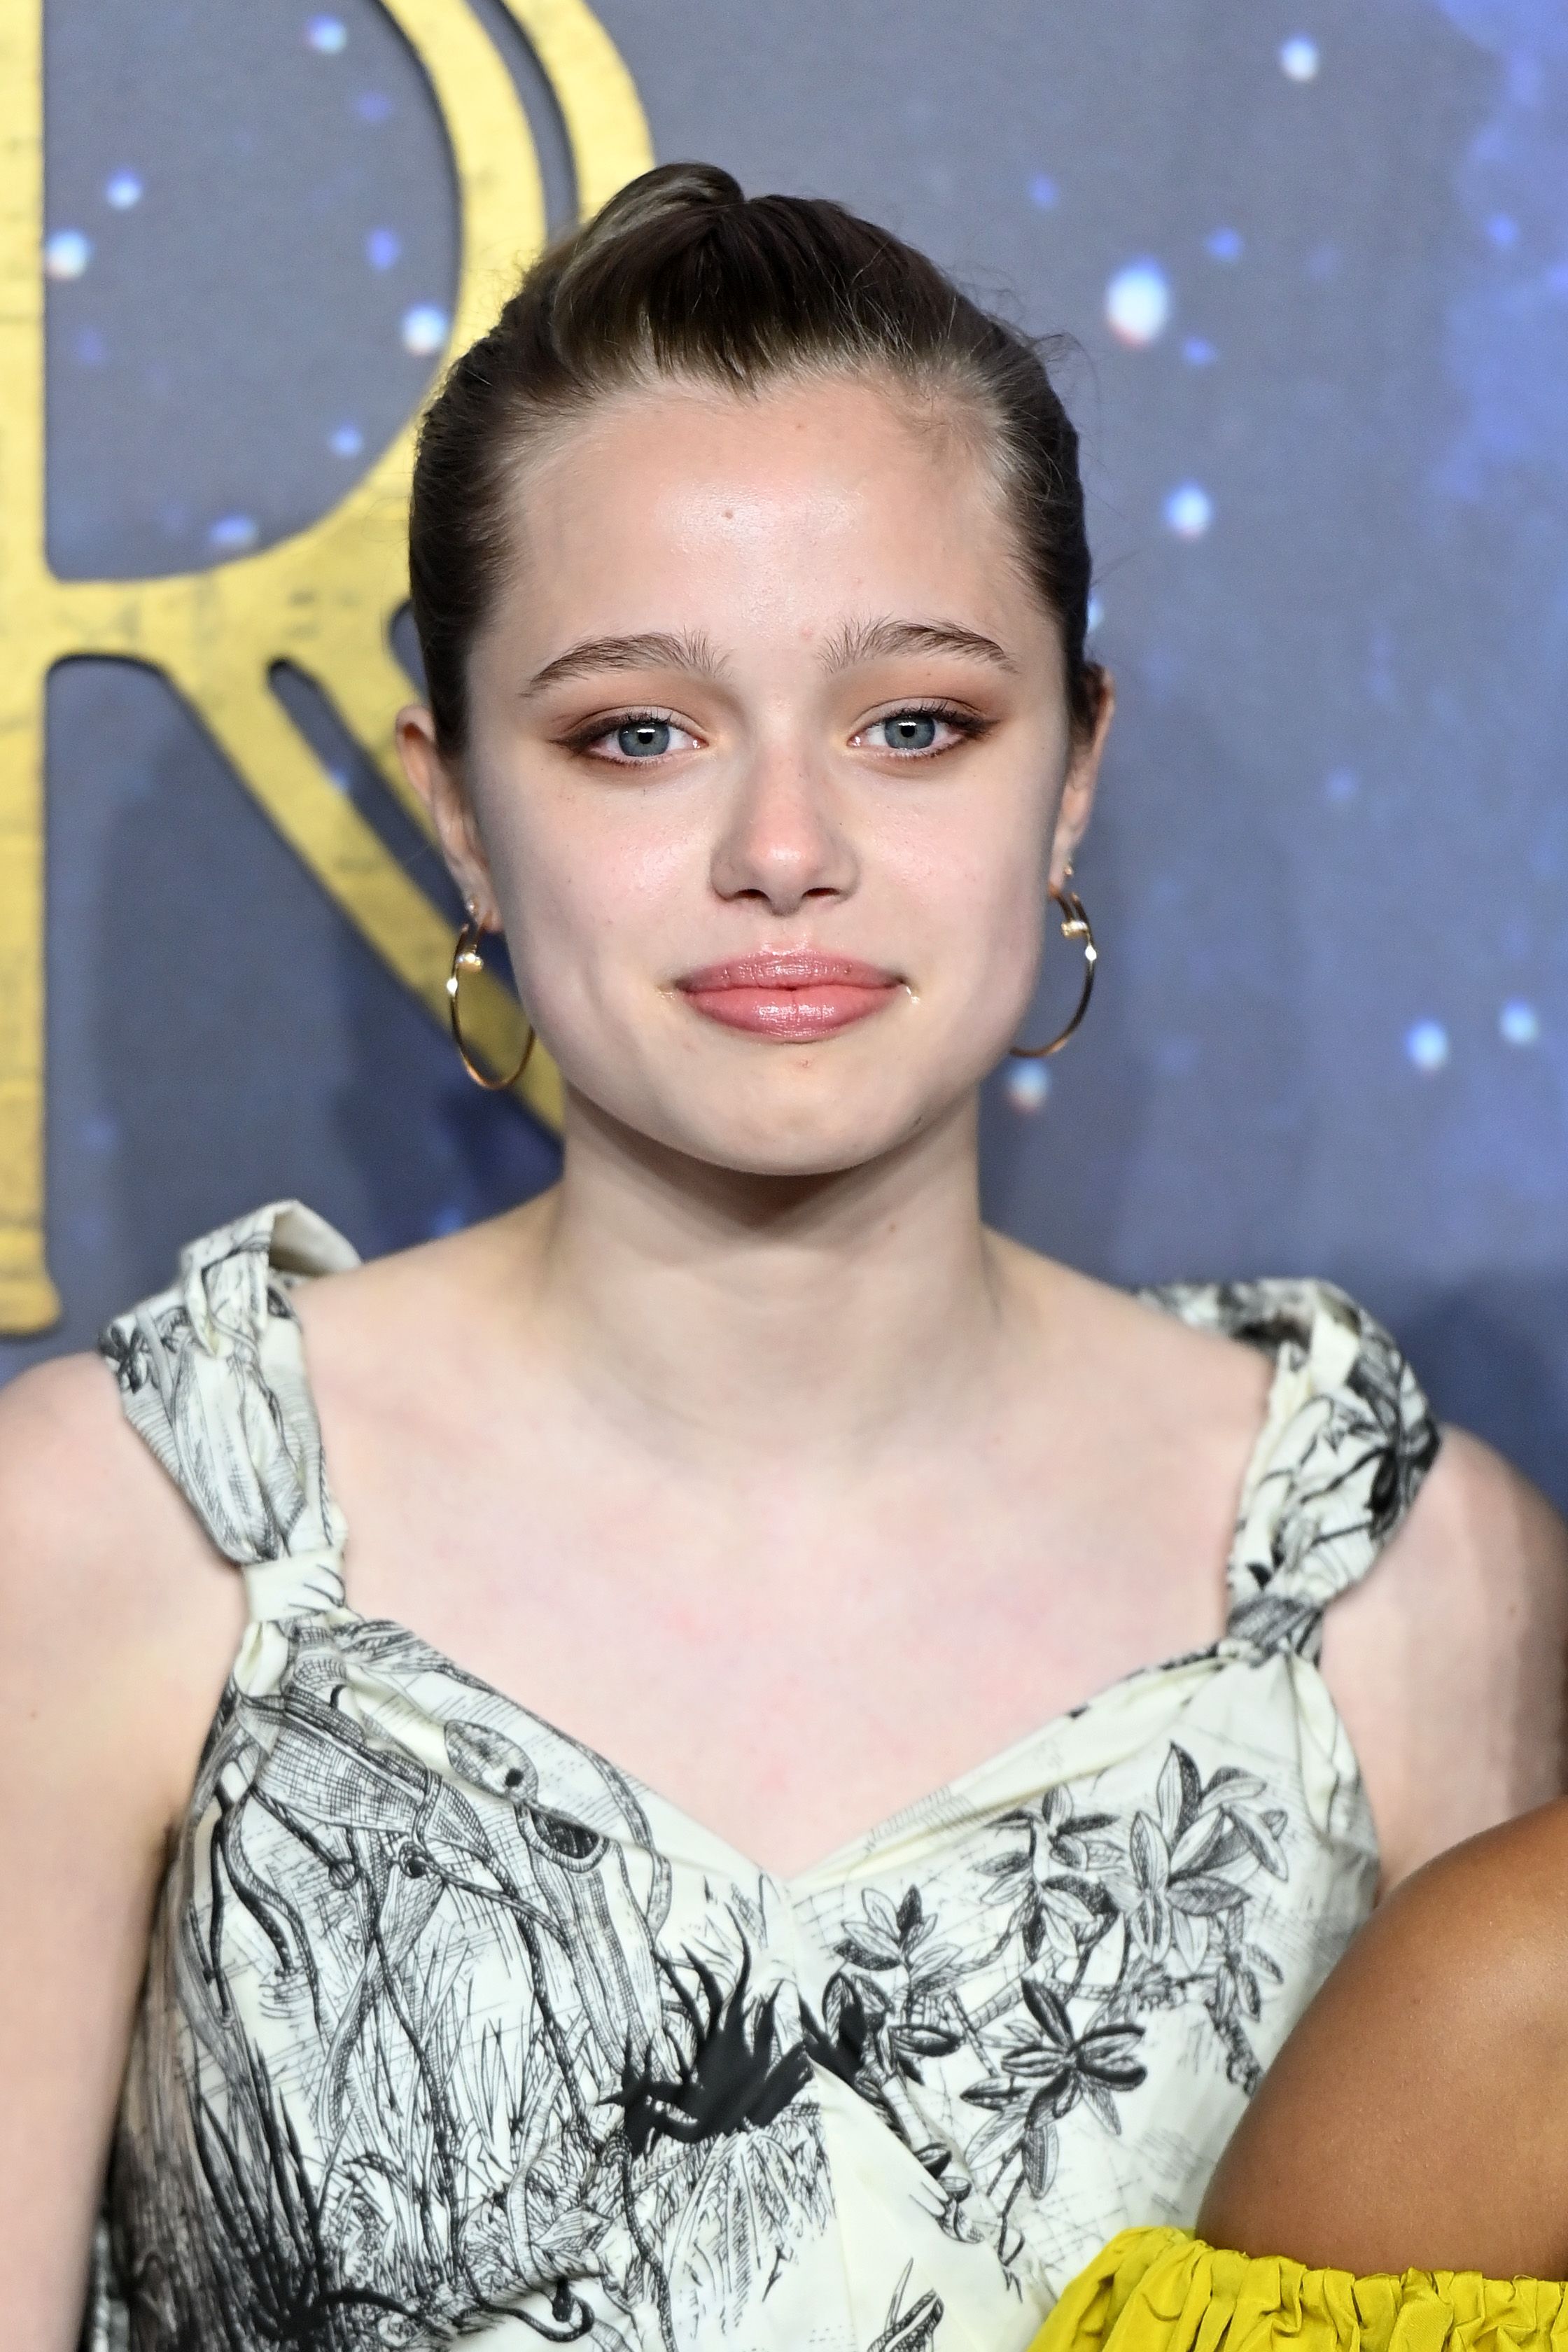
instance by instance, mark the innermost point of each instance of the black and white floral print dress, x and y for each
(453, 2032)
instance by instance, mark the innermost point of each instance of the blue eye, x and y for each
(643, 738)
(910, 730)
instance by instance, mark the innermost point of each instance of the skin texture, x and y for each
(747, 1454)
(1413, 2119)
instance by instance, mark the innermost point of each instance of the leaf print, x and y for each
(910, 2330)
(419, 2052)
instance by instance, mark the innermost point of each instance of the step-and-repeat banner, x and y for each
(1313, 260)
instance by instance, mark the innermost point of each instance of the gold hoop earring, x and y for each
(1075, 926)
(466, 957)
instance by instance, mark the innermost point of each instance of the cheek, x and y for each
(973, 879)
(593, 881)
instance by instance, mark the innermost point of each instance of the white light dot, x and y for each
(123, 191)
(1189, 511)
(1427, 1044)
(1096, 613)
(424, 330)
(67, 254)
(1138, 302)
(1028, 1085)
(233, 533)
(1298, 59)
(328, 35)
(345, 441)
(1519, 1024)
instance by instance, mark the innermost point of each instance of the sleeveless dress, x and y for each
(454, 2031)
(1163, 2291)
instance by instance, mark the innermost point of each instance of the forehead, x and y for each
(792, 506)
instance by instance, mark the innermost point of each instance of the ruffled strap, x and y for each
(211, 1376)
(1346, 1441)
(1163, 2291)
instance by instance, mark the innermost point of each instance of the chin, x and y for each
(836, 1130)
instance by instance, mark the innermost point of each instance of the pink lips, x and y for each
(792, 997)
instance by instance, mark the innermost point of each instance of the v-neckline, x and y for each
(861, 1841)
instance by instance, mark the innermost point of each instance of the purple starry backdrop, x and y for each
(1315, 260)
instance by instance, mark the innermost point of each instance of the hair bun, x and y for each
(669, 192)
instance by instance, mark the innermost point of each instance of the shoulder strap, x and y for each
(1346, 1441)
(211, 1376)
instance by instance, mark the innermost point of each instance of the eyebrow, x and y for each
(653, 649)
(863, 641)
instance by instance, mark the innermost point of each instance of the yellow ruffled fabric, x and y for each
(1164, 2291)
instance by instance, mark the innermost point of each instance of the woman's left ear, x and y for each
(1082, 778)
(442, 790)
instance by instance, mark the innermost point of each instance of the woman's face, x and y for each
(769, 766)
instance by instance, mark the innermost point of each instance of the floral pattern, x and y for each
(451, 2030)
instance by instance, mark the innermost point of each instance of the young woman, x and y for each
(655, 1873)
(1400, 2179)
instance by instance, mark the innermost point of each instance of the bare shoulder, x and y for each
(1413, 2118)
(1178, 1369)
(1463, 1621)
(119, 1625)
(120, 1617)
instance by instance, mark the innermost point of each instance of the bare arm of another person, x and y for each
(1413, 2119)
(1449, 1664)
(116, 1629)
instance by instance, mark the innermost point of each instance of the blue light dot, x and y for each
(1028, 1085)
(1503, 231)
(1427, 1044)
(373, 106)
(383, 248)
(67, 254)
(1188, 511)
(1138, 302)
(345, 441)
(232, 534)
(425, 329)
(1043, 191)
(1199, 353)
(328, 35)
(1519, 1024)
(1298, 59)
(1339, 785)
(1096, 613)
(447, 1219)
(1225, 244)
(123, 191)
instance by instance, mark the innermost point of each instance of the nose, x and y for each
(782, 842)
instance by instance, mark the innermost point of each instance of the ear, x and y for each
(442, 790)
(1082, 777)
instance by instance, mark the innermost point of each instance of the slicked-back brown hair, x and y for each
(681, 277)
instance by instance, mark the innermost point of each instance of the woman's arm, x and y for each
(115, 1631)
(1449, 1664)
(1416, 2116)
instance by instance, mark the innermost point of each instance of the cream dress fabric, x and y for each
(454, 2031)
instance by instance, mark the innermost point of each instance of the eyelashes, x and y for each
(967, 726)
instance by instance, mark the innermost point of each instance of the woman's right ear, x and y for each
(441, 789)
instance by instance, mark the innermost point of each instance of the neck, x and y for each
(713, 1311)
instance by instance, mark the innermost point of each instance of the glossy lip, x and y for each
(793, 995)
